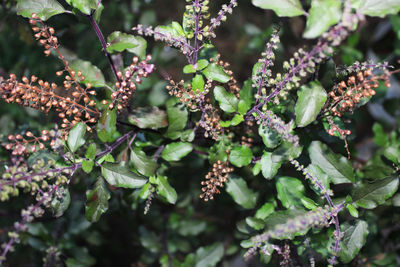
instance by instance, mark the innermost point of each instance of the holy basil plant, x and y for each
(155, 151)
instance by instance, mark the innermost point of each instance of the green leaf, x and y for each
(177, 118)
(92, 74)
(396, 200)
(142, 163)
(308, 203)
(392, 153)
(265, 210)
(107, 126)
(352, 210)
(269, 165)
(121, 176)
(379, 8)
(91, 151)
(311, 99)
(370, 195)
(380, 137)
(270, 137)
(191, 227)
(256, 224)
(45, 9)
(122, 41)
(149, 117)
(198, 83)
(87, 165)
(60, 205)
(97, 201)
(76, 137)
(237, 119)
(176, 151)
(216, 73)
(209, 256)
(189, 69)
(283, 8)
(353, 240)
(201, 64)
(337, 167)
(240, 193)
(290, 191)
(376, 169)
(149, 240)
(246, 97)
(165, 261)
(227, 101)
(240, 156)
(174, 30)
(317, 24)
(85, 6)
(164, 189)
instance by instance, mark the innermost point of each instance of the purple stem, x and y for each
(220, 16)
(74, 167)
(103, 44)
(261, 83)
(196, 32)
(23, 222)
(331, 204)
(287, 78)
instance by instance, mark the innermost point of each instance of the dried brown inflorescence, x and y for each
(215, 179)
(199, 101)
(22, 144)
(126, 84)
(41, 95)
(346, 95)
(75, 106)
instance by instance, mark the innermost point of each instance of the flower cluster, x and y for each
(32, 92)
(199, 101)
(345, 96)
(20, 145)
(126, 84)
(195, 13)
(261, 78)
(195, 30)
(42, 95)
(305, 62)
(33, 179)
(326, 193)
(214, 179)
(149, 199)
(320, 217)
(314, 181)
(184, 93)
(46, 37)
(165, 36)
(215, 22)
(268, 118)
(361, 66)
(44, 199)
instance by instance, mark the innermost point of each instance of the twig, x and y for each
(103, 44)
